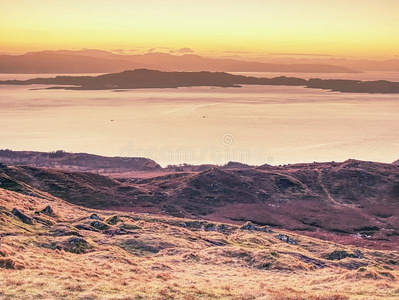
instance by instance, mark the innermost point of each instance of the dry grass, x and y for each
(160, 259)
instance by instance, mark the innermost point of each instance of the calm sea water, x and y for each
(256, 125)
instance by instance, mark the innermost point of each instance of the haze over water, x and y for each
(252, 124)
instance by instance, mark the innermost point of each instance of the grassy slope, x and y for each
(338, 201)
(170, 258)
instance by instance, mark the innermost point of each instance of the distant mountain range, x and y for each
(96, 61)
(143, 78)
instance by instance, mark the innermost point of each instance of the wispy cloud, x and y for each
(181, 51)
(119, 51)
(299, 54)
(242, 52)
(152, 50)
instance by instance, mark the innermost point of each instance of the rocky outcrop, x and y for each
(48, 211)
(76, 245)
(99, 225)
(95, 217)
(251, 227)
(23, 217)
(341, 254)
(113, 220)
(286, 239)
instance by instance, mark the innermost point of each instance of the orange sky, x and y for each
(355, 28)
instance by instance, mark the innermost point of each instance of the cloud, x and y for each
(119, 51)
(301, 54)
(152, 50)
(242, 52)
(181, 51)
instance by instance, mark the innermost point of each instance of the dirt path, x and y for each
(320, 181)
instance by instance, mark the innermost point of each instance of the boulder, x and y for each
(113, 220)
(76, 245)
(251, 227)
(341, 254)
(117, 231)
(210, 227)
(85, 227)
(48, 211)
(95, 217)
(20, 215)
(286, 239)
(99, 225)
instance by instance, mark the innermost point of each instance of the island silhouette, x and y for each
(144, 78)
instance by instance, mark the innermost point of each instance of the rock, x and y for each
(64, 231)
(113, 220)
(99, 225)
(24, 218)
(76, 245)
(95, 217)
(192, 225)
(341, 254)
(3, 166)
(48, 210)
(215, 242)
(130, 226)
(251, 227)
(358, 254)
(43, 221)
(118, 231)
(223, 228)
(85, 227)
(210, 227)
(286, 239)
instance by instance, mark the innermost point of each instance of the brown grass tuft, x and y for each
(370, 273)
(11, 264)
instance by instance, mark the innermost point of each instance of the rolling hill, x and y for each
(351, 202)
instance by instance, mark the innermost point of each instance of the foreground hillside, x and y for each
(352, 202)
(51, 249)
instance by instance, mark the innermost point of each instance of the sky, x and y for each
(342, 28)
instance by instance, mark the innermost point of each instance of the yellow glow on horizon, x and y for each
(357, 28)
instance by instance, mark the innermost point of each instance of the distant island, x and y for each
(144, 78)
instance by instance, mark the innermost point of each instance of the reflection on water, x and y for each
(256, 125)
